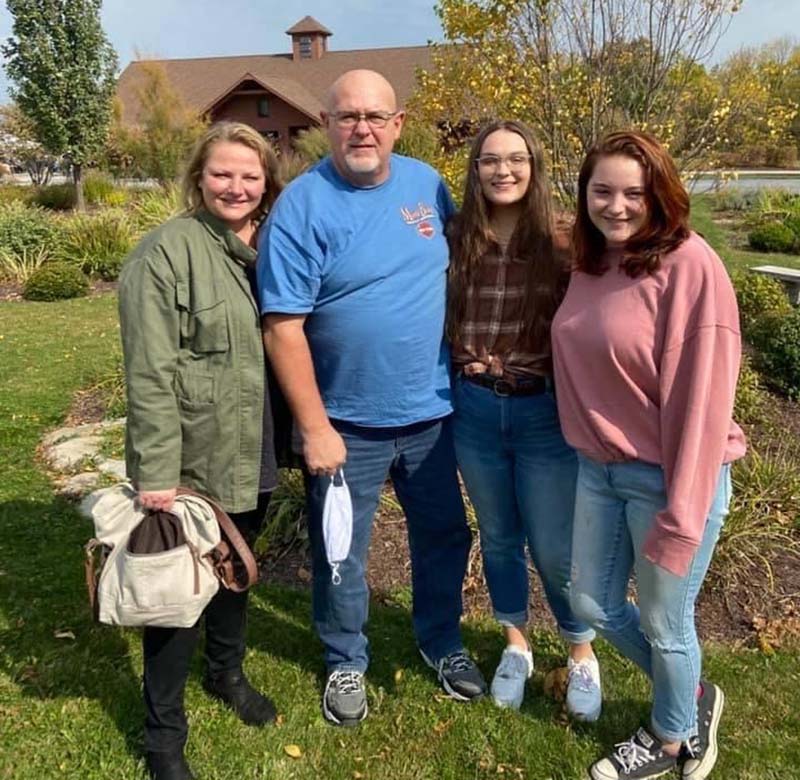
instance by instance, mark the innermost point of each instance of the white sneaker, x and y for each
(513, 671)
(584, 695)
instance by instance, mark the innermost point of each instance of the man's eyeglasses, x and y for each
(347, 120)
(490, 163)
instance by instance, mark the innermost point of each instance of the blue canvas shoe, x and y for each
(584, 694)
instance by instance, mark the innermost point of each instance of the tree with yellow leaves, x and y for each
(575, 69)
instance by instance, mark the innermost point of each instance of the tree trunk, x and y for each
(77, 178)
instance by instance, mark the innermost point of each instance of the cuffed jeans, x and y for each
(520, 476)
(168, 651)
(420, 460)
(615, 508)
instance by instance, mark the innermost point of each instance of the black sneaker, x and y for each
(700, 752)
(639, 758)
(459, 675)
(344, 702)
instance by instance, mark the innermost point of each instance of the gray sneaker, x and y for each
(458, 675)
(344, 702)
(700, 752)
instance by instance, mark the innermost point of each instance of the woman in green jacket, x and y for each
(198, 406)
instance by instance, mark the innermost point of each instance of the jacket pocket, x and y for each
(194, 388)
(204, 323)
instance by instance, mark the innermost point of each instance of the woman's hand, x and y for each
(160, 500)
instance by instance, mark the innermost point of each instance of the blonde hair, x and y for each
(233, 132)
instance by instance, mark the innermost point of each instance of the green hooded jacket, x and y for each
(194, 362)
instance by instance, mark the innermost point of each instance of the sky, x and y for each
(201, 28)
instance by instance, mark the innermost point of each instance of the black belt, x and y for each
(504, 387)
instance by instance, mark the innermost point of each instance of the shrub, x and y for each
(729, 199)
(420, 141)
(793, 223)
(98, 243)
(27, 229)
(750, 404)
(19, 267)
(99, 189)
(312, 145)
(757, 295)
(772, 237)
(777, 337)
(764, 508)
(14, 193)
(56, 281)
(291, 165)
(58, 197)
(154, 207)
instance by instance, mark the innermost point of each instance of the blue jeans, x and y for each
(615, 507)
(421, 462)
(520, 476)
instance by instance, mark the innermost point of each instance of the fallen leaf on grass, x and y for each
(293, 751)
(64, 634)
(398, 675)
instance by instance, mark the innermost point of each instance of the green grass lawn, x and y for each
(728, 242)
(70, 692)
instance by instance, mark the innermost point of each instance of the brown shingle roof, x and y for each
(204, 81)
(308, 24)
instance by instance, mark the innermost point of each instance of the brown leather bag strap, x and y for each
(233, 536)
(91, 574)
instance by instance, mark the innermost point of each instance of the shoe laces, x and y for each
(513, 665)
(693, 747)
(456, 662)
(346, 681)
(582, 677)
(631, 755)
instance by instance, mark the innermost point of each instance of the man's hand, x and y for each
(159, 500)
(325, 452)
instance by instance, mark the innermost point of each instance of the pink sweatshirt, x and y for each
(646, 369)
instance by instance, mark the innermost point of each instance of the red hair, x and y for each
(667, 220)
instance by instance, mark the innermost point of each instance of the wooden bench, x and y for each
(789, 276)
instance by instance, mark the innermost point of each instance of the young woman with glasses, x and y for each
(646, 348)
(508, 273)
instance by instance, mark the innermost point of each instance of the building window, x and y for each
(305, 47)
(263, 106)
(274, 138)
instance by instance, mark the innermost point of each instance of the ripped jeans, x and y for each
(615, 506)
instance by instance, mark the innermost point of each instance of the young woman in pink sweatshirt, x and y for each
(646, 348)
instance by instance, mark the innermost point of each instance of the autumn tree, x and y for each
(158, 140)
(62, 69)
(761, 88)
(575, 69)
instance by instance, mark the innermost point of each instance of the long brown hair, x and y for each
(471, 237)
(667, 220)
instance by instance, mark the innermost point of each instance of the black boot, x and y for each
(168, 765)
(232, 687)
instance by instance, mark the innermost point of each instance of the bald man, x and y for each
(352, 272)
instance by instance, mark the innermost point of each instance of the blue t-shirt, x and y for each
(368, 267)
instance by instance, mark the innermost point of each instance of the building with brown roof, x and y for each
(278, 94)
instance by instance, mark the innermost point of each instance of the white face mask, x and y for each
(337, 524)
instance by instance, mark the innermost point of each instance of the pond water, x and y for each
(743, 183)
